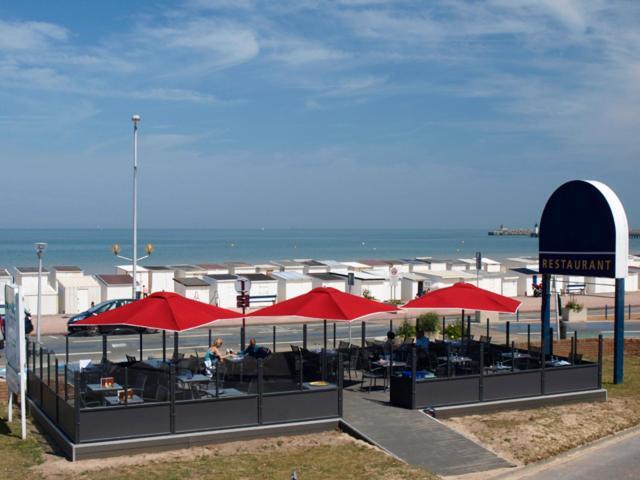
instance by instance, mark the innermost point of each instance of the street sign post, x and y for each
(394, 277)
(16, 353)
(243, 300)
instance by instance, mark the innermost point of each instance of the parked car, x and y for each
(72, 328)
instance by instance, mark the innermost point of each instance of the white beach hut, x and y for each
(114, 287)
(291, 284)
(434, 264)
(222, 290)
(632, 283)
(187, 271)
(265, 268)
(240, 268)
(142, 274)
(457, 265)
(416, 266)
(410, 285)
(63, 271)
(446, 278)
(27, 278)
(160, 279)
(328, 280)
(526, 278)
(77, 293)
(192, 288)
(264, 289)
(288, 266)
(313, 266)
(401, 265)
(523, 262)
(5, 278)
(375, 284)
(509, 285)
(213, 268)
(335, 266)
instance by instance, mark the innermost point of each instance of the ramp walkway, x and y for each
(414, 437)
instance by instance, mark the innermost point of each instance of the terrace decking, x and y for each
(414, 437)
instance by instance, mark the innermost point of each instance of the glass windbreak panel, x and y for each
(236, 376)
(279, 373)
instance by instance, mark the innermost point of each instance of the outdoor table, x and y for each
(557, 363)
(156, 363)
(455, 359)
(389, 366)
(498, 368)
(224, 392)
(97, 388)
(309, 386)
(114, 400)
(328, 351)
(195, 378)
(236, 358)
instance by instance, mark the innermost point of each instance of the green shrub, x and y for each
(453, 331)
(429, 322)
(574, 306)
(406, 329)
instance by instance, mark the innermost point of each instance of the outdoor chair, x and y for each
(373, 373)
(162, 394)
(351, 362)
(139, 383)
(485, 339)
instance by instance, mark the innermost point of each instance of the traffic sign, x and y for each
(243, 285)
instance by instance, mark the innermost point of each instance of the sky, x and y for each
(310, 113)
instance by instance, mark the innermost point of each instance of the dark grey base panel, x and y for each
(521, 403)
(172, 442)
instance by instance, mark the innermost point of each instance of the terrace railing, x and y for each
(153, 397)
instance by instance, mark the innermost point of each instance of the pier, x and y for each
(514, 232)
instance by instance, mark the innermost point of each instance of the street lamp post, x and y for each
(40, 248)
(135, 119)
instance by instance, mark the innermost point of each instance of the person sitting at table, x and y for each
(214, 356)
(390, 344)
(422, 342)
(252, 348)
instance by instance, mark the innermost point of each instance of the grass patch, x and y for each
(533, 435)
(16, 456)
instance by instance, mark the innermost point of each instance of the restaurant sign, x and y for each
(584, 232)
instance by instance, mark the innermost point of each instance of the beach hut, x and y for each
(446, 278)
(488, 265)
(410, 285)
(213, 268)
(509, 285)
(597, 285)
(192, 288)
(335, 266)
(291, 284)
(401, 265)
(264, 289)
(328, 280)
(491, 282)
(434, 263)
(457, 265)
(63, 271)
(113, 287)
(375, 265)
(356, 266)
(222, 290)
(187, 271)
(160, 278)
(523, 262)
(5, 278)
(76, 293)
(313, 266)
(265, 268)
(416, 266)
(527, 277)
(631, 284)
(27, 278)
(142, 274)
(240, 268)
(374, 285)
(288, 266)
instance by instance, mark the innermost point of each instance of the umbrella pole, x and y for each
(164, 345)
(210, 342)
(141, 351)
(304, 336)
(176, 341)
(364, 334)
(325, 333)
(462, 328)
(334, 335)
(349, 333)
(104, 348)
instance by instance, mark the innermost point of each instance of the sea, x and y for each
(90, 249)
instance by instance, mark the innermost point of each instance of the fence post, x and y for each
(629, 314)
(126, 386)
(513, 357)
(414, 366)
(48, 368)
(172, 398)
(600, 361)
(104, 348)
(324, 333)
(572, 354)
(66, 382)
(517, 315)
(462, 328)
(543, 362)
(508, 333)
(274, 339)
(301, 361)
(481, 380)
(364, 335)
(66, 350)
(575, 341)
(448, 359)
(488, 330)
(606, 312)
(141, 350)
(324, 364)
(340, 381)
(304, 336)
(57, 393)
(334, 335)
(528, 336)
(551, 342)
(76, 403)
(164, 345)
(41, 376)
(218, 367)
(391, 325)
(210, 339)
(260, 389)
(444, 326)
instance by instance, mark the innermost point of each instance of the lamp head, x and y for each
(40, 248)
(149, 248)
(135, 119)
(116, 249)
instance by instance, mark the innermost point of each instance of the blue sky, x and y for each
(351, 113)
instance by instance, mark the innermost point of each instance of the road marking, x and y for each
(118, 345)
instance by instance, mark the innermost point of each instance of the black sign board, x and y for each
(584, 231)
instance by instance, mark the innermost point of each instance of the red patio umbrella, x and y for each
(325, 303)
(162, 311)
(328, 304)
(464, 296)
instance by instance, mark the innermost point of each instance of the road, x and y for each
(616, 458)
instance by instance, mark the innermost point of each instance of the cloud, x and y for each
(21, 36)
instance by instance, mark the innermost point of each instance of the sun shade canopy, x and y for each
(464, 296)
(325, 303)
(163, 311)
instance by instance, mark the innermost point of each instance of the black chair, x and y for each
(131, 359)
(162, 394)
(373, 373)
